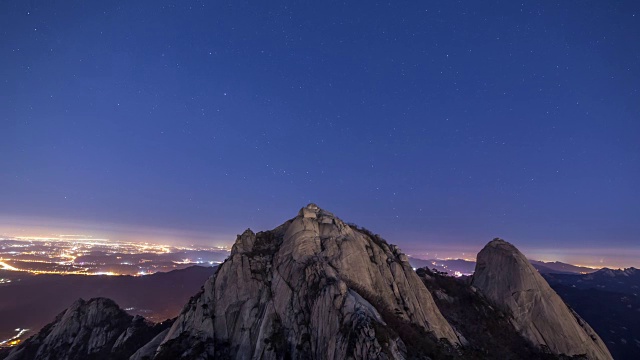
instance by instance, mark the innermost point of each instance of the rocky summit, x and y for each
(316, 287)
(304, 289)
(505, 276)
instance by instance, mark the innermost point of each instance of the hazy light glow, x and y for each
(47, 229)
(595, 257)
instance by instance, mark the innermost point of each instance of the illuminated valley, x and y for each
(84, 255)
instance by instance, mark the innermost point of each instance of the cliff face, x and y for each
(508, 279)
(304, 289)
(94, 329)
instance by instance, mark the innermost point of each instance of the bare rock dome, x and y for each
(505, 276)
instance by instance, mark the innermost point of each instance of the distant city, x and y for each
(84, 255)
(48, 273)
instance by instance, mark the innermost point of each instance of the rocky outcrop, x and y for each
(508, 280)
(306, 289)
(95, 329)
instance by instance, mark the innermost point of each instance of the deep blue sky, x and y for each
(431, 123)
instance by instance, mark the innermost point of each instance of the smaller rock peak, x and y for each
(310, 211)
(313, 211)
(98, 303)
(498, 241)
(501, 244)
(244, 242)
(77, 304)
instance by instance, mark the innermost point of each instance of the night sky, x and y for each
(439, 125)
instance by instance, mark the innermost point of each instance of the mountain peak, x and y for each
(312, 206)
(505, 276)
(501, 244)
(313, 287)
(99, 303)
(313, 211)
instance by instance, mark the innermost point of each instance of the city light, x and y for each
(14, 340)
(84, 255)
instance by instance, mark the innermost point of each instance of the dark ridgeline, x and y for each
(608, 300)
(317, 288)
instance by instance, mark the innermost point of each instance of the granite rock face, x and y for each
(94, 329)
(301, 290)
(507, 278)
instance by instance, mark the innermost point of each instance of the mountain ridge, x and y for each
(318, 288)
(466, 267)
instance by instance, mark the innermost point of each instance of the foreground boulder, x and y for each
(508, 280)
